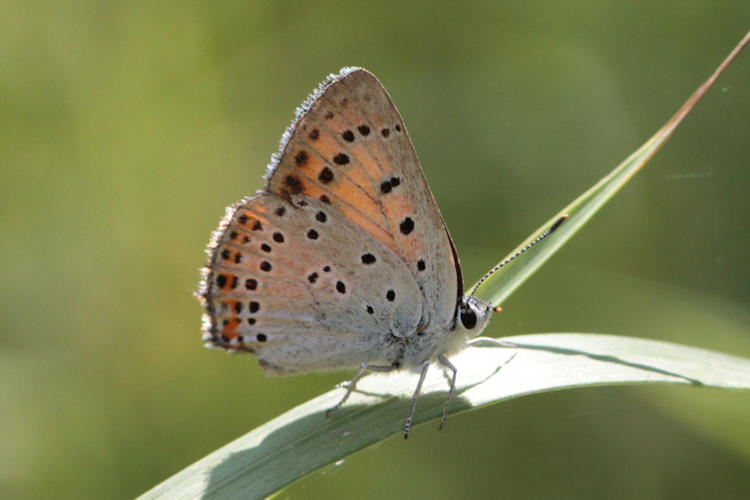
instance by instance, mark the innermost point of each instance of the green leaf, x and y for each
(303, 439)
(498, 287)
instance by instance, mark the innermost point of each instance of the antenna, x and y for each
(520, 252)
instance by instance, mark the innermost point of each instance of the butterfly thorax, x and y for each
(471, 318)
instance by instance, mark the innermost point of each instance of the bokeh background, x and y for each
(127, 127)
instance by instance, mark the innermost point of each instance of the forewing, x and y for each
(349, 148)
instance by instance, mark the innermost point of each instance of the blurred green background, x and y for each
(127, 127)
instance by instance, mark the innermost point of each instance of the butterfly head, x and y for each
(472, 315)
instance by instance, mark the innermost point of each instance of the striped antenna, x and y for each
(520, 252)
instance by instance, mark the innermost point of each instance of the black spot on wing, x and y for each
(406, 226)
(341, 159)
(293, 184)
(301, 158)
(325, 176)
(368, 258)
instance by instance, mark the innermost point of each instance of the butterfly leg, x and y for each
(353, 382)
(409, 419)
(452, 368)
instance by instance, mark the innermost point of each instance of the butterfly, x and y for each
(343, 259)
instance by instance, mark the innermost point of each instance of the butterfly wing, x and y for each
(304, 288)
(344, 254)
(349, 147)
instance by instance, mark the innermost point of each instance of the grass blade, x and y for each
(498, 287)
(303, 440)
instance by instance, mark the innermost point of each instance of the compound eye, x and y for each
(468, 318)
